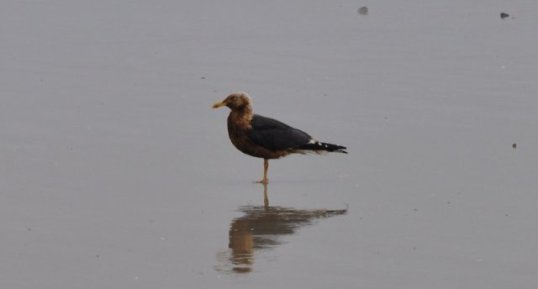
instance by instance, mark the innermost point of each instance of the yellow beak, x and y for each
(219, 104)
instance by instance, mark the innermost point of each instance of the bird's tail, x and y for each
(321, 147)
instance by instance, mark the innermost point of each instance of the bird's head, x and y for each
(235, 101)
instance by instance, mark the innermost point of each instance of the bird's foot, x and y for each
(263, 181)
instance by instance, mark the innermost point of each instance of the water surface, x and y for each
(116, 173)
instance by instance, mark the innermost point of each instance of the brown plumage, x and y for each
(265, 137)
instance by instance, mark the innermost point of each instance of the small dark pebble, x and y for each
(363, 10)
(504, 15)
(203, 77)
(514, 145)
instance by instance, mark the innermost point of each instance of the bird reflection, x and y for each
(260, 228)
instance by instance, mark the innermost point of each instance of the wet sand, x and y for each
(116, 173)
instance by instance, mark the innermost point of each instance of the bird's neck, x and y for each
(241, 117)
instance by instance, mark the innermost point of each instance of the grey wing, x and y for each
(275, 135)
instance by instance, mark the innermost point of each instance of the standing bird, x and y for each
(264, 137)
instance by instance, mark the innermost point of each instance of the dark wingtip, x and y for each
(341, 149)
(322, 146)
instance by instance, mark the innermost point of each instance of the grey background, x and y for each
(116, 173)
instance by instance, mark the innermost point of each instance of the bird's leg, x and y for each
(265, 169)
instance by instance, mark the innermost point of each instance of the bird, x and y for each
(265, 137)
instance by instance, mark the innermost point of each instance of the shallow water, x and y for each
(262, 228)
(116, 172)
